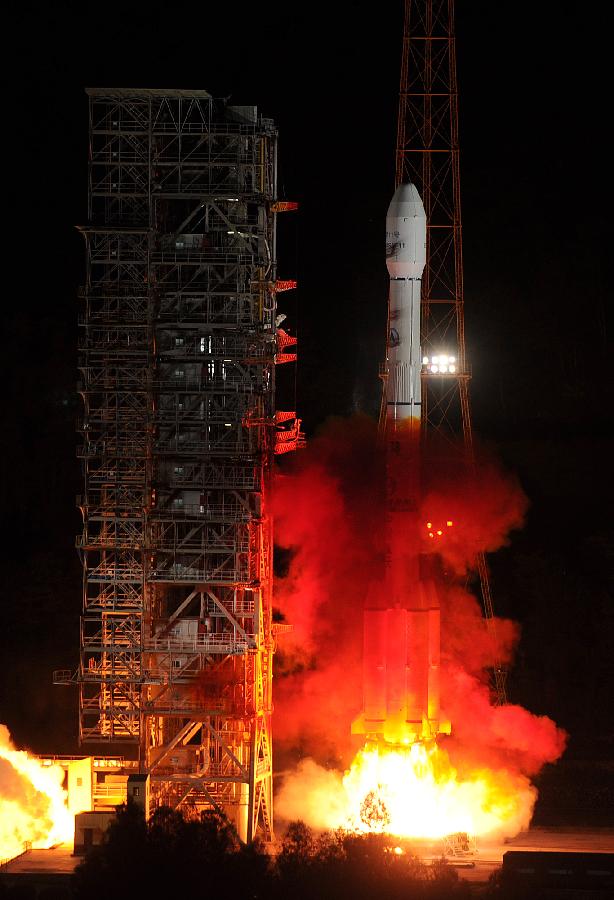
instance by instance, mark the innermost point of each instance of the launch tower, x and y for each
(178, 349)
(427, 155)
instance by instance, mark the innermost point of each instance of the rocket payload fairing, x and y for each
(401, 616)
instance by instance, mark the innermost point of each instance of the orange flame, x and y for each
(416, 792)
(33, 803)
(409, 792)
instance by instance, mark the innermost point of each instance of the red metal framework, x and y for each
(427, 154)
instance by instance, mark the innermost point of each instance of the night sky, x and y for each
(535, 165)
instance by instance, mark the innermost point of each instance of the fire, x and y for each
(415, 792)
(33, 803)
(412, 792)
(482, 788)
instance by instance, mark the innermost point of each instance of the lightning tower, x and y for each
(179, 344)
(427, 155)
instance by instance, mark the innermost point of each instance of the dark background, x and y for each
(535, 163)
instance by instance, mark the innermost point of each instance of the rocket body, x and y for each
(405, 261)
(402, 616)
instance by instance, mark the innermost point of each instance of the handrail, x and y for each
(201, 642)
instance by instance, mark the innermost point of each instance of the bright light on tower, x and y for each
(439, 364)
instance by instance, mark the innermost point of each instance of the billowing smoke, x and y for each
(320, 516)
(329, 518)
(483, 503)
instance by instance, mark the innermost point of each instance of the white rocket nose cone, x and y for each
(406, 233)
(406, 203)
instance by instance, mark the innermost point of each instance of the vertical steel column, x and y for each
(427, 154)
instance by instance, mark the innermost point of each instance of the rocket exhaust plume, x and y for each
(33, 803)
(477, 778)
(410, 674)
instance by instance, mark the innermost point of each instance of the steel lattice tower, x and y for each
(178, 352)
(427, 154)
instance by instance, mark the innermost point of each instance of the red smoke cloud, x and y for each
(497, 736)
(320, 515)
(329, 514)
(484, 505)
(468, 640)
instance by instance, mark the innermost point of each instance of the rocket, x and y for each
(401, 651)
(405, 261)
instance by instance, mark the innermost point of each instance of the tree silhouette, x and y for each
(205, 857)
(154, 859)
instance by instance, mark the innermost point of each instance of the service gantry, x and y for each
(179, 343)
(427, 154)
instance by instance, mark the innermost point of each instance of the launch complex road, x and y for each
(554, 840)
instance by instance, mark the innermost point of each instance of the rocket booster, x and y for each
(401, 616)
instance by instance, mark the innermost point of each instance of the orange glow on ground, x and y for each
(32, 802)
(416, 792)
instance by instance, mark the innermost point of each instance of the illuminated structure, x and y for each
(179, 343)
(427, 155)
